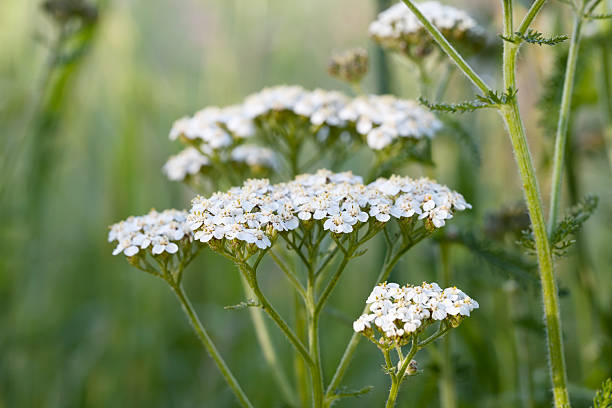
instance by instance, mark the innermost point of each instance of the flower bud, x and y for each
(350, 66)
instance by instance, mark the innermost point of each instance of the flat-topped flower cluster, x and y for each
(257, 211)
(379, 120)
(399, 29)
(397, 312)
(157, 231)
(191, 161)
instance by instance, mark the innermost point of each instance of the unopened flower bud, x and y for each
(413, 367)
(350, 66)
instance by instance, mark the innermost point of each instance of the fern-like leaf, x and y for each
(491, 99)
(599, 16)
(461, 107)
(603, 398)
(562, 237)
(535, 37)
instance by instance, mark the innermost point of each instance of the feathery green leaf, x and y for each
(603, 398)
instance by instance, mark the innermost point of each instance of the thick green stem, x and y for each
(564, 117)
(523, 372)
(396, 379)
(316, 371)
(518, 138)
(550, 297)
(210, 347)
(448, 48)
(392, 393)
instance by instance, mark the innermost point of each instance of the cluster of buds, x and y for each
(397, 313)
(350, 66)
(398, 29)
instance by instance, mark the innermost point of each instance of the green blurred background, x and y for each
(83, 135)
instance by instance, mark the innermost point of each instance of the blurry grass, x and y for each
(79, 327)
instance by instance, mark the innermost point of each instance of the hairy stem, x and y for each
(210, 347)
(564, 117)
(547, 277)
(518, 138)
(530, 16)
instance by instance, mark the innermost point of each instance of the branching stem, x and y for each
(512, 118)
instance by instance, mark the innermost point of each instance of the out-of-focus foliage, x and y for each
(86, 102)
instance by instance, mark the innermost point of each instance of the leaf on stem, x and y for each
(572, 223)
(492, 99)
(598, 16)
(561, 238)
(535, 37)
(603, 398)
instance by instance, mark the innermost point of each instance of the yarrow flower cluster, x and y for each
(396, 312)
(257, 211)
(158, 231)
(379, 119)
(398, 28)
(382, 119)
(191, 161)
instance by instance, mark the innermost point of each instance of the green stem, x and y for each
(548, 282)
(448, 395)
(316, 370)
(299, 366)
(564, 117)
(449, 49)
(268, 349)
(356, 337)
(523, 373)
(251, 278)
(333, 281)
(530, 16)
(393, 391)
(607, 100)
(210, 347)
(518, 138)
(396, 379)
